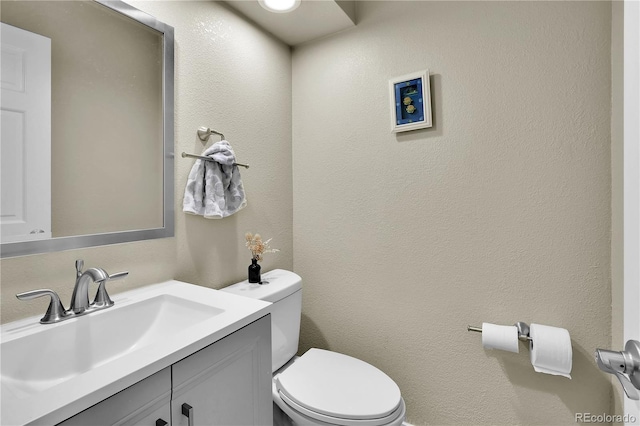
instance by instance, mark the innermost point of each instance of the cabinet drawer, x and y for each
(132, 406)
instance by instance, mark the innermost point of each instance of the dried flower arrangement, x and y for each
(257, 246)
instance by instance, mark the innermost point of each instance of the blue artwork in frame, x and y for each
(408, 98)
(410, 102)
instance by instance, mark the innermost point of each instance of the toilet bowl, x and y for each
(320, 387)
(328, 388)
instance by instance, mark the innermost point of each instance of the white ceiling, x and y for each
(311, 20)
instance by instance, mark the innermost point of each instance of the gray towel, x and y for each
(214, 188)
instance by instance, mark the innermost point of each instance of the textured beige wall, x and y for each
(234, 78)
(229, 76)
(499, 213)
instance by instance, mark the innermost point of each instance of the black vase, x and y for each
(254, 271)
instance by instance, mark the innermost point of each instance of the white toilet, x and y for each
(320, 387)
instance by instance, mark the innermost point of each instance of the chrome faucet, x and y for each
(80, 298)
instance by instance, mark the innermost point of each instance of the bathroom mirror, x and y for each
(111, 126)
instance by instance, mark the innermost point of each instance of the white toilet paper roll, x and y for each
(503, 337)
(551, 351)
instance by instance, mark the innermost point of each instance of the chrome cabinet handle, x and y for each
(621, 363)
(187, 411)
(55, 312)
(161, 422)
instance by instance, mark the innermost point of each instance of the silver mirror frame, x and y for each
(82, 241)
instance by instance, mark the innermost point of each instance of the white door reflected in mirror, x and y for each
(26, 136)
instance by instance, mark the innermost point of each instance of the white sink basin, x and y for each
(50, 372)
(51, 355)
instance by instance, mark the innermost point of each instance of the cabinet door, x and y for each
(141, 404)
(227, 383)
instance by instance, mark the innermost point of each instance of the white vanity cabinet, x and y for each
(226, 383)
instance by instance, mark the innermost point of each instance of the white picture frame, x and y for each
(410, 102)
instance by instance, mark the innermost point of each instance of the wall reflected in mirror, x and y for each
(105, 170)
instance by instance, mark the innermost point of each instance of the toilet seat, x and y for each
(395, 418)
(340, 390)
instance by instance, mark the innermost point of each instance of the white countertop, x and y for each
(65, 399)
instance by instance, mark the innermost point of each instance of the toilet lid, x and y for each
(339, 386)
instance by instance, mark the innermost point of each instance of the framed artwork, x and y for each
(410, 102)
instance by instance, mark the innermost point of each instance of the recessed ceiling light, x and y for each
(280, 6)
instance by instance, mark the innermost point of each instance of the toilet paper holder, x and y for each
(523, 331)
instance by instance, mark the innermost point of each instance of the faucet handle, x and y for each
(102, 298)
(55, 312)
(118, 275)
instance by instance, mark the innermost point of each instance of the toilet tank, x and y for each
(284, 290)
